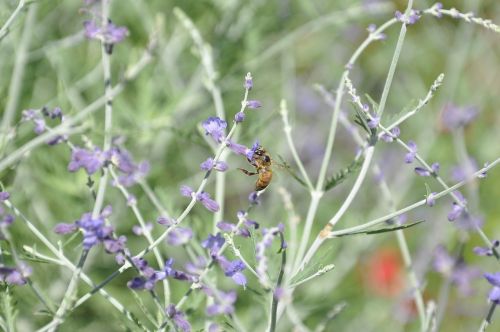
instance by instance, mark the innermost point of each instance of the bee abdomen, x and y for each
(263, 180)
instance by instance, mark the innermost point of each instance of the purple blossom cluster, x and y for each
(15, 275)
(232, 269)
(203, 197)
(149, 276)
(6, 219)
(223, 302)
(411, 19)
(268, 236)
(95, 231)
(39, 118)
(454, 117)
(459, 273)
(94, 159)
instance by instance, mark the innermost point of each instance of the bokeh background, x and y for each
(289, 46)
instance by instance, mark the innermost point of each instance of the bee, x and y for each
(262, 162)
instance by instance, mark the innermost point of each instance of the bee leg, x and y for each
(247, 172)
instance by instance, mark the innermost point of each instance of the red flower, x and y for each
(383, 273)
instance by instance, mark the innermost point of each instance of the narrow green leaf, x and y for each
(383, 230)
(343, 174)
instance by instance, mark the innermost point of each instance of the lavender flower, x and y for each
(248, 82)
(253, 198)
(178, 318)
(238, 148)
(376, 36)
(410, 156)
(34, 116)
(131, 172)
(15, 275)
(213, 243)
(231, 228)
(179, 236)
(4, 195)
(412, 18)
(208, 203)
(239, 117)
(254, 104)
(394, 133)
(91, 161)
(224, 302)
(94, 231)
(186, 191)
(176, 274)
(453, 117)
(457, 208)
(458, 272)
(373, 122)
(469, 222)
(436, 10)
(165, 221)
(249, 154)
(6, 220)
(455, 212)
(233, 270)
(138, 230)
(430, 200)
(267, 238)
(214, 126)
(425, 172)
(494, 279)
(208, 164)
(197, 267)
(109, 35)
(113, 246)
(485, 251)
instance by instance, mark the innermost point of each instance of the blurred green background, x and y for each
(289, 46)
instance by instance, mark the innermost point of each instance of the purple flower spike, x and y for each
(251, 152)
(254, 104)
(410, 156)
(91, 161)
(455, 212)
(233, 270)
(412, 18)
(113, 246)
(221, 166)
(485, 251)
(65, 228)
(178, 318)
(494, 295)
(208, 203)
(239, 117)
(215, 127)
(430, 200)
(213, 243)
(186, 191)
(248, 82)
(224, 302)
(493, 278)
(395, 132)
(207, 164)
(179, 236)
(253, 198)
(165, 221)
(373, 123)
(4, 195)
(111, 35)
(453, 117)
(238, 148)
